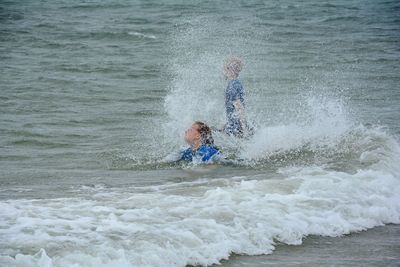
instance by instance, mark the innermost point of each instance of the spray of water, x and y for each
(197, 89)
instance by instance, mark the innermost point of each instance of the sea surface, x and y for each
(95, 97)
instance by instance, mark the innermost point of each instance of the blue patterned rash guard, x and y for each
(204, 153)
(233, 92)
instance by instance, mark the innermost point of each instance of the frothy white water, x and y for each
(202, 222)
(326, 124)
(196, 93)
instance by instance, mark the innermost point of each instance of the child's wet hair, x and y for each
(205, 133)
(234, 64)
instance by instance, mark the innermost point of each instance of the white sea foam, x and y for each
(326, 125)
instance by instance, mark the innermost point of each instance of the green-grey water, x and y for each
(95, 98)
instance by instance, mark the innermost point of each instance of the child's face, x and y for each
(228, 74)
(192, 135)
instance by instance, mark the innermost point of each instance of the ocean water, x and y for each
(95, 97)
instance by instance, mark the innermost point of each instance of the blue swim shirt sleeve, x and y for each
(187, 154)
(207, 153)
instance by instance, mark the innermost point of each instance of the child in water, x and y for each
(202, 147)
(235, 100)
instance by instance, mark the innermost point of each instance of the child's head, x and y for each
(232, 67)
(199, 134)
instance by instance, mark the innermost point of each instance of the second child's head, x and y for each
(199, 134)
(232, 67)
